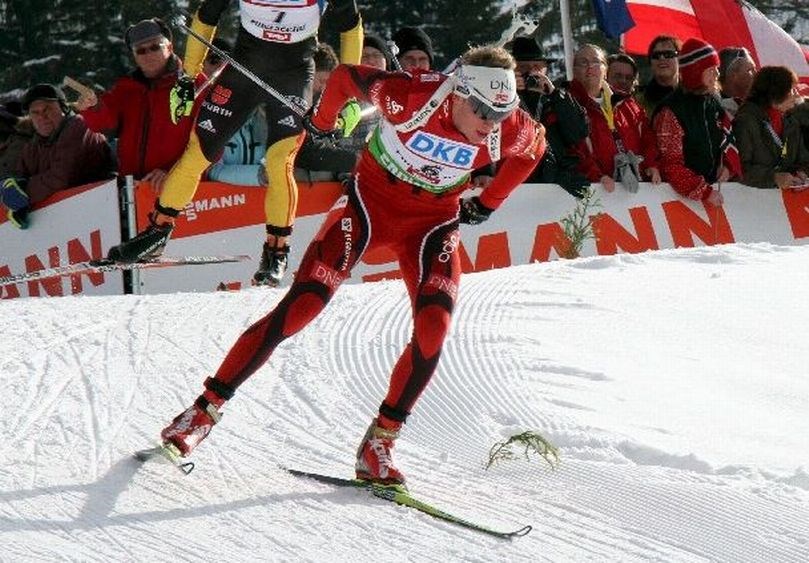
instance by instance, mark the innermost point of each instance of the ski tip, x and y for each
(524, 531)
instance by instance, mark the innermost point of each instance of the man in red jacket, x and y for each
(137, 107)
(619, 127)
(434, 131)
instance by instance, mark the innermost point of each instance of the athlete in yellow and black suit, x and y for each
(276, 41)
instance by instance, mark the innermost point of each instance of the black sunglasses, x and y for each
(658, 55)
(150, 49)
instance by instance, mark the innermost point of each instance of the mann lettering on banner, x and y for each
(54, 287)
(613, 237)
(796, 204)
(684, 224)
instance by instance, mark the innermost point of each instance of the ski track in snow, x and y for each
(604, 356)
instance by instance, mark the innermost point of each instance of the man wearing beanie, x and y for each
(62, 154)
(693, 130)
(415, 48)
(375, 52)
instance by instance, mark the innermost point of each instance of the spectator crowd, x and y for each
(702, 117)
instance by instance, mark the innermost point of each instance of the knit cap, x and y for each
(696, 56)
(413, 38)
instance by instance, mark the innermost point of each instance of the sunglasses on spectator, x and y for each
(148, 49)
(668, 54)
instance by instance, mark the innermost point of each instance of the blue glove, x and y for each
(18, 218)
(13, 194)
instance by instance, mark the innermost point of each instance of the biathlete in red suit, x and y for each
(435, 130)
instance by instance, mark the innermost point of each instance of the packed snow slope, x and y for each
(674, 383)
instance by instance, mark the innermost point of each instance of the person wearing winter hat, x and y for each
(693, 130)
(532, 66)
(138, 106)
(62, 154)
(699, 66)
(375, 52)
(415, 48)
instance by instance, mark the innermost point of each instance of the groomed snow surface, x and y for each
(675, 384)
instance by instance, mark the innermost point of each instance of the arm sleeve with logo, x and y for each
(523, 148)
(386, 90)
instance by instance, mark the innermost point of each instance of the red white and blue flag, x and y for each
(722, 23)
(613, 17)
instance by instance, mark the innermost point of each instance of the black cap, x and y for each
(413, 38)
(527, 49)
(376, 42)
(145, 30)
(43, 92)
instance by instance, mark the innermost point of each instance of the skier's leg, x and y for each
(431, 271)
(327, 262)
(285, 136)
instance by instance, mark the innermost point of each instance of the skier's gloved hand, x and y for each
(350, 116)
(181, 98)
(473, 212)
(13, 193)
(318, 133)
(18, 218)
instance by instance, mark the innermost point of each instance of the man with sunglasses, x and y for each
(435, 130)
(663, 52)
(137, 108)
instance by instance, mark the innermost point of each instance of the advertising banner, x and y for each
(73, 226)
(226, 219)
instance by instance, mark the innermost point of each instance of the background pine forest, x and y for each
(44, 40)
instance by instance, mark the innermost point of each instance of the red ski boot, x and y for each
(374, 457)
(190, 427)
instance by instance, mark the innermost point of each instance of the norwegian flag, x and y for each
(730, 152)
(722, 23)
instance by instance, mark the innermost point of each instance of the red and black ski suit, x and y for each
(398, 201)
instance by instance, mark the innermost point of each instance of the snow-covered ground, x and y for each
(674, 383)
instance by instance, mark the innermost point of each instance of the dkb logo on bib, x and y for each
(443, 151)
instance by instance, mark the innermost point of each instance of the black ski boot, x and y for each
(273, 265)
(149, 243)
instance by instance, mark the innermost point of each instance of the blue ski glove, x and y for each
(13, 194)
(473, 212)
(18, 218)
